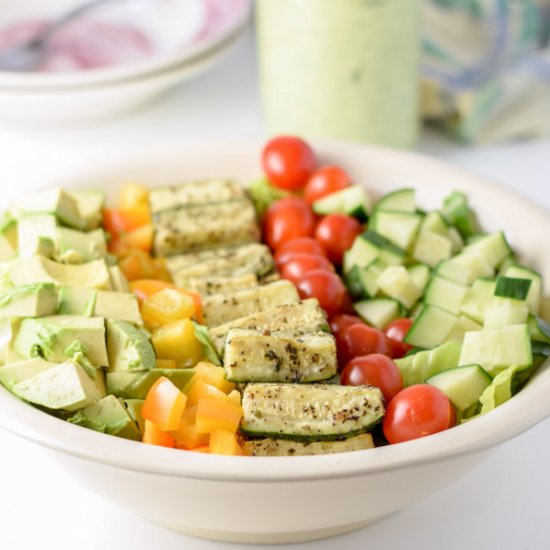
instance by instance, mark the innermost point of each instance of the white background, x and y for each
(503, 504)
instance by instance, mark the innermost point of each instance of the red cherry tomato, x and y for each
(374, 370)
(396, 332)
(341, 322)
(336, 233)
(360, 340)
(302, 244)
(287, 219)
(325, 181)
(326, 287)
(288, 162)
(302, 262)
(415, 412)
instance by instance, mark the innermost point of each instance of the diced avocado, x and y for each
(136, 385)
(37, 235)
(119, 282)
(66, 386)
(8, 330)
(8, 239)
(34, 300)
(62, 337)
(134, 407)
(23, 370)
(75, 300)
(129, 348)
(90, 204)
(36, 269)
(52, 201)
(77, 247)
(109, 416)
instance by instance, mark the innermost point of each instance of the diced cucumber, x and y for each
(431, 248)
(462, 385)
(363, 282)
(395, 282)
(445, 294)
(353, 201)
(535, 291)
(540, 349)
(435, 222)
(378, 312)
(463, 325)
(457, 212)
(370, 246)
(400, 228)
(417, 367)
(415, 311)
(431, 327)
(509, 287)
(477, 265)
(497, 349)
(505, 311)
(453, 271)
(420, 275)
(539, 329)
(456, 240)
(478, 298)
(401, 200)
(494, 248)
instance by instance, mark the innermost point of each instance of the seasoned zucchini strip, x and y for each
(205, 226)
(221, 308)
(306, 314)
(255, 356)
(310, 412)
(233, 261)
(194, 192)
(215, 285)
(284, 447)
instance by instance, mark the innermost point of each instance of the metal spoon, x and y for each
(28, 55)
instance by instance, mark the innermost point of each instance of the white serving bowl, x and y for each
(283, 499)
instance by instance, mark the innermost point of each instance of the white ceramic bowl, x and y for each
(282, 499)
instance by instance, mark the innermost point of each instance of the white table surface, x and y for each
(503, 504)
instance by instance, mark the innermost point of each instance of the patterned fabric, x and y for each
(486, 68)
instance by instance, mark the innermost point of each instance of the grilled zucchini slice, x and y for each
(222, 308)
(256, 356)
(284, 447)
(299, 315)
(232, 261)
(205, 226)
(216, 285)
(194, 192)
(310, 412)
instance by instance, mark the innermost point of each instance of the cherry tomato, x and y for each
(288, 219)
(336, 233)
(288, 162)
(360, 340)
(415, 412)
(302, 244)
(325, 181)
(396, 332)
(374, 370)
(302, 262)
(326, 287)
(341, 322)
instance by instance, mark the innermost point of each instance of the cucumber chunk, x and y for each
(420, 275)
(494, 248)
(378, 312)
(370, 246)
(445, 294)
(431, 248)
(353, 201)
(462, 385)
(453, 271)
(510, 287)
(534, 295)
(401, 200)
(400, 228)
(477, 299)
(505, 311)
(457, 212)
(431, 327)
(396, 282)
(539, 329)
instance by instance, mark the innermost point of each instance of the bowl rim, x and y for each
(529, 407)
(39, 82)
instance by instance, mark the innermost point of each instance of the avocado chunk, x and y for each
(76, 247)
(66, 386)
(108, 416)
(62, 337)
(34, 300)
(118, 279)
(8, 329)
(90, 204)
(136, 385)
(8, 239)
(37, 235)
(23, 370)
(54, 201)
(134, 407)
(100, 303)
(129, 348)
(37, 269)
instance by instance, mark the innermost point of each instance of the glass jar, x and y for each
(340, 69)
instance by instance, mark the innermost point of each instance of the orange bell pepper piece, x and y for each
(141, 238)
(132, 195)
(213, 375)
(166, 306)
(164, 405)
(186, 435)
(177, 341)
(138, 265)
(155, 436)
(224, 442)
(118, 221)
(215, 414)
(198, 389)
